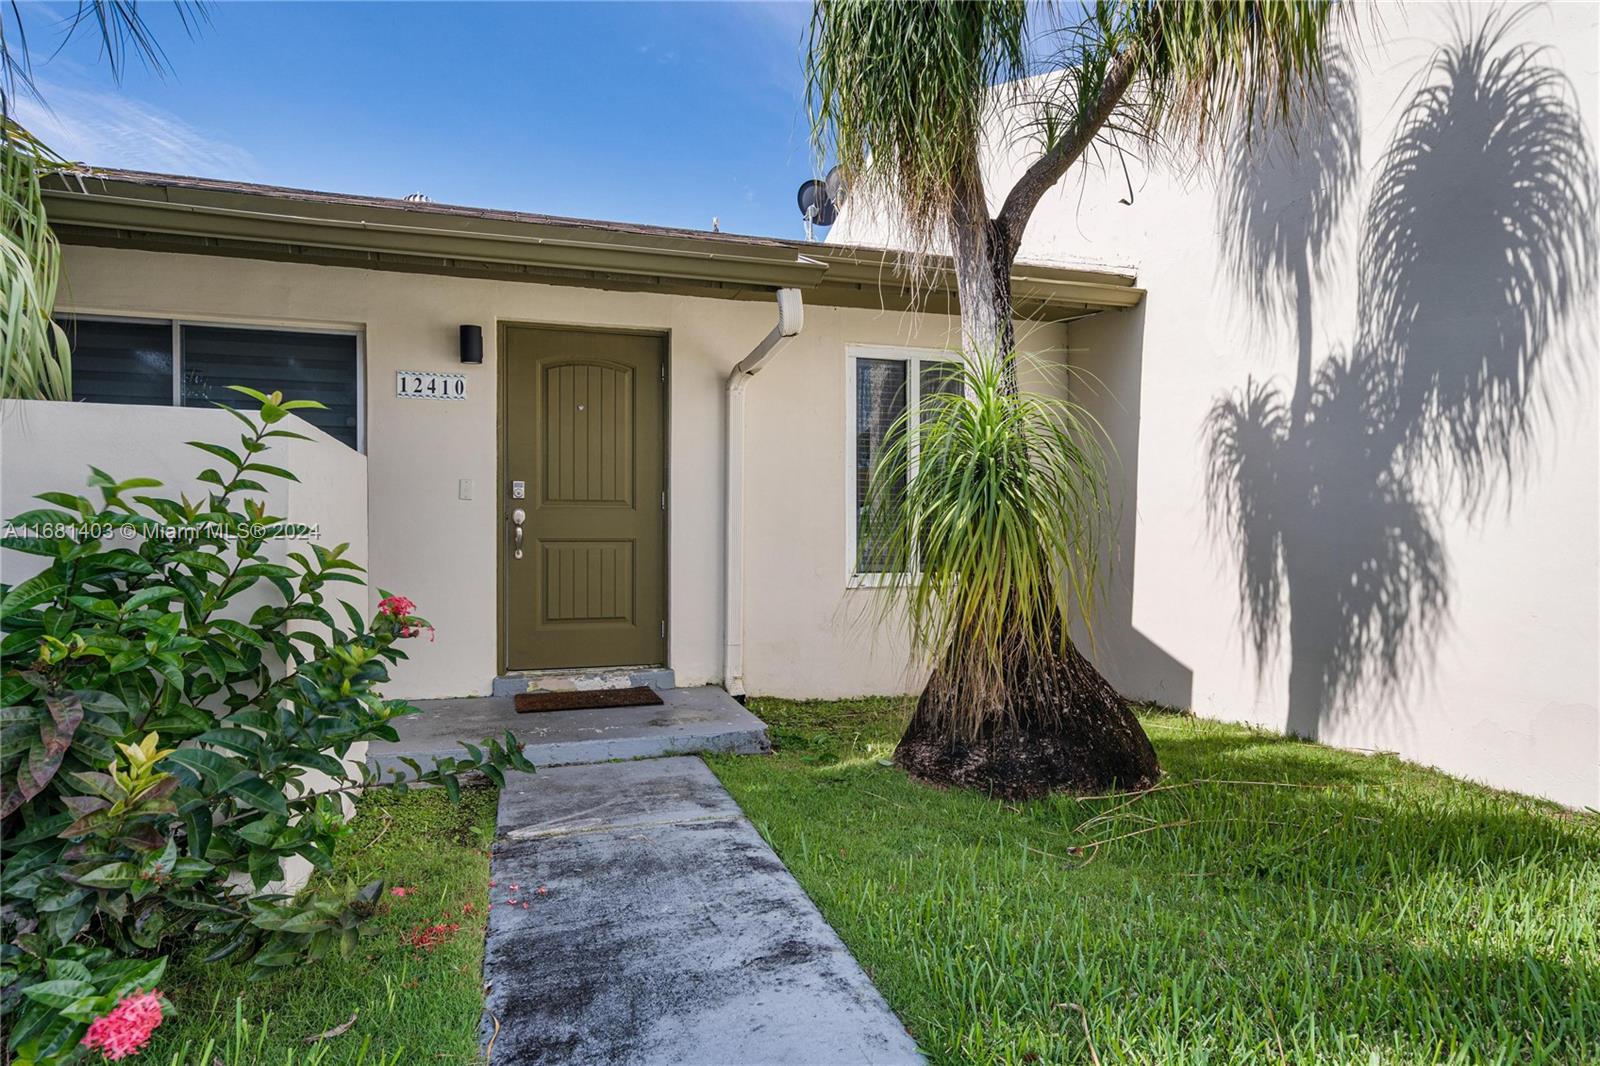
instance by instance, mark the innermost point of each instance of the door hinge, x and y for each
(663, 371)
(663, 501)
(663, 629)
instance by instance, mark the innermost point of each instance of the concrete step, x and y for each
(689, 720)
(589, 680)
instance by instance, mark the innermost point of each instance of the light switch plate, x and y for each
(464, 489)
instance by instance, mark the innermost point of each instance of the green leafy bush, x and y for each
(165, 749)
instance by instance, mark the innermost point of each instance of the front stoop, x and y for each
(688, 721)
(657, 677)
(636, 916)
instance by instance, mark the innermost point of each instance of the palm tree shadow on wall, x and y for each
(1476, 259)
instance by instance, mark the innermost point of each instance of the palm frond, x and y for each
(1211, 66)
(900, 92)
(35, 362)
(121, 27)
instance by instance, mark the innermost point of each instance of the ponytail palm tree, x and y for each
(998, 511)
(986, 510)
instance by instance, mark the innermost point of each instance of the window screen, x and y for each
(936, 377)
(120, 362)
(880, 400)
(302, 366)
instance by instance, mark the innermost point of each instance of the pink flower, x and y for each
(401, 891)
(429, 937)
(127, 1028)
(397, 606)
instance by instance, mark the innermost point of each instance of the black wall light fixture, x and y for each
(472, 344)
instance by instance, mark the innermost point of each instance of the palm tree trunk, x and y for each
(981, 251)
(1055, 724)
(974, 263)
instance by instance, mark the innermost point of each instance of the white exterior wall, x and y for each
(1507, 689)
(48, 447)
(806, 633)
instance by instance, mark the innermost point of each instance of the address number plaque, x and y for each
(429, 385)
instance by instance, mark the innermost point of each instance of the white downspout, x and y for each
(791, 316)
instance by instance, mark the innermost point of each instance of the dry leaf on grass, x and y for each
(338, 1030)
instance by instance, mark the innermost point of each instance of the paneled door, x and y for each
(583, 506)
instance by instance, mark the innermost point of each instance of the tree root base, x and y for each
(1021, 766)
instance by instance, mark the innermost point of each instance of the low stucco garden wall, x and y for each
(50, 446)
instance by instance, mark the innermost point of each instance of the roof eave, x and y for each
(171, 216)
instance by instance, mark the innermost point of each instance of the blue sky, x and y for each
(665, 113)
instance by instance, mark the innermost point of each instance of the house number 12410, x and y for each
(429, 385)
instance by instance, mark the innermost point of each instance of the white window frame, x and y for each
(914, 358)
(177, 323)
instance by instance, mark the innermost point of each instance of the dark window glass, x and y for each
(880, 400)
(936, 377)
(120, 362)
(302, 366)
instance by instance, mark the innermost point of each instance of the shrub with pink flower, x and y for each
(403, 611)
(396, 606)
(127, 1028)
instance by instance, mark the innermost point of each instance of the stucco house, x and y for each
(564, 450)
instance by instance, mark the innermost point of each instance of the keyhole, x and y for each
(580, 407)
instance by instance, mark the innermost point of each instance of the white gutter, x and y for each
(791, 317)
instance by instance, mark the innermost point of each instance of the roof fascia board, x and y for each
(484, 241)
(241, 223)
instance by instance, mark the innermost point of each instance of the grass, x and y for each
(1273, 901)
(411, 1005)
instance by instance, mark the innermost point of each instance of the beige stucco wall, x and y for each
(807, 634)
(50, 447)
(1506, 689)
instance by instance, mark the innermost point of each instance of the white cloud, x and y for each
(110, 130)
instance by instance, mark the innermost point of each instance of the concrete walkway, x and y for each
(688, 720)
(667, 933)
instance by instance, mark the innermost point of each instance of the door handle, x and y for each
(518, 517)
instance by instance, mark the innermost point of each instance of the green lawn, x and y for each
(412, 1004)
(1355, 910)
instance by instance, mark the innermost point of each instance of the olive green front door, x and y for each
(583, 506)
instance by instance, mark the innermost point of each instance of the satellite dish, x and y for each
(816, 206)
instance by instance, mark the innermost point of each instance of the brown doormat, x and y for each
(643, 696)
